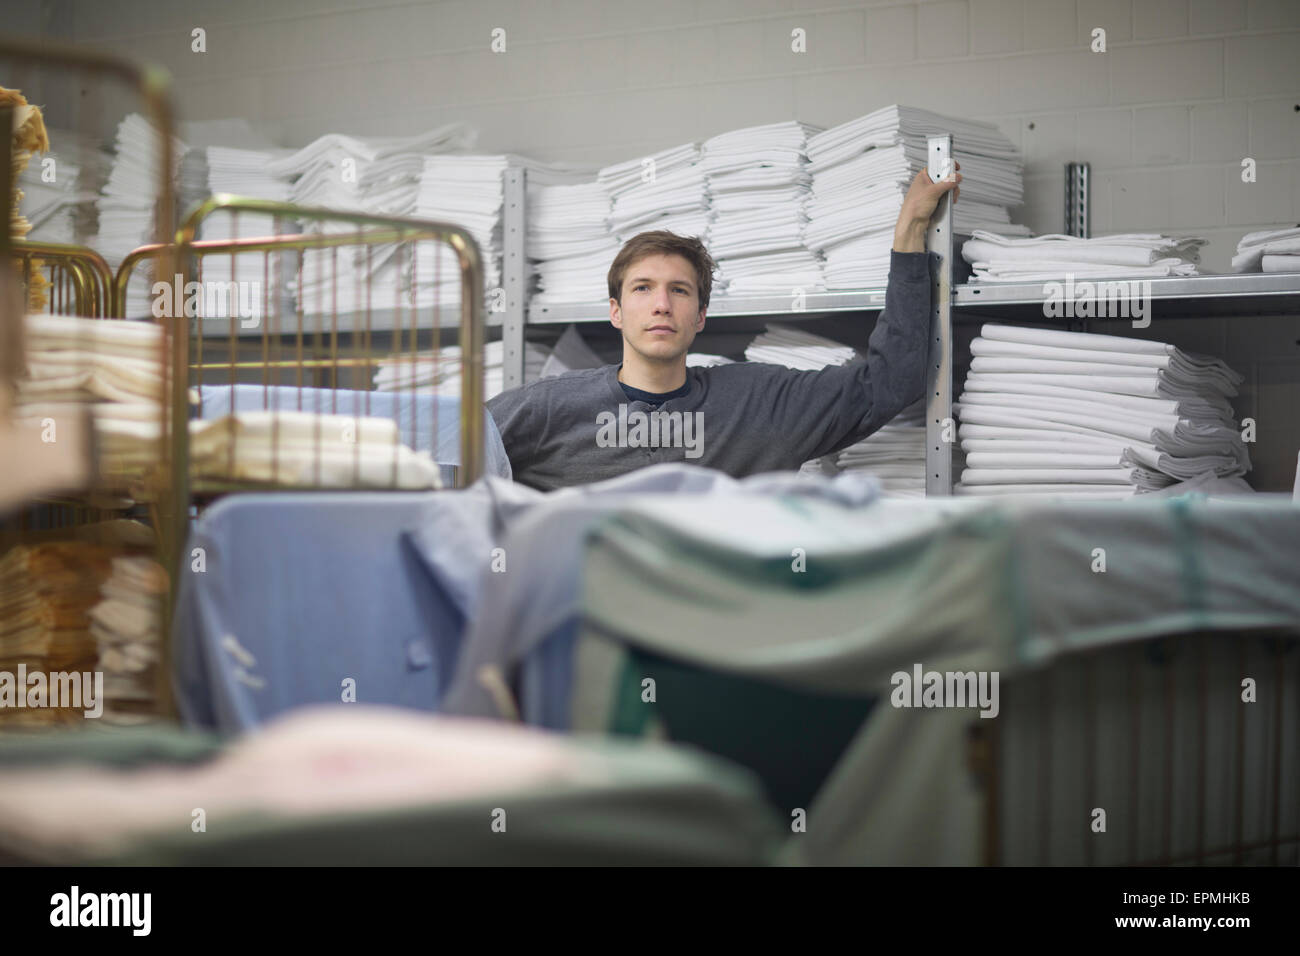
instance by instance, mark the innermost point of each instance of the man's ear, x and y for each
(699, 323)
(616, 314)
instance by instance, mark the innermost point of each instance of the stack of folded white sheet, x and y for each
(468, 191)
(758, 187)
(666, 190)
(1271, 250)
(62, 210)
(1051, 412)
(127, 627)
(245, 173)
(440, 374)
(894, 454)
(569, 242)
(377, 175)
(998, 257)
(861, 171)
(797, 349)
(126, 204)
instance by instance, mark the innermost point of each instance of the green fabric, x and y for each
(649, 805)
(969, 585)
(106, 745)
(790, 738)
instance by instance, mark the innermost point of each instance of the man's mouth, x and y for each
(661, 328)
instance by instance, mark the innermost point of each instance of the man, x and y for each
(741, 419)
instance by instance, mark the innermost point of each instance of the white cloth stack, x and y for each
(425, 372)
(375, 175)
(569, 242)
(894, 454)
(126, 626)
(758, 185)
(1052, 412)
(245, 173)
(998, 257)
(797, 349)
(861, 171)
(126, 203)
(1271, 250)
(62, 210)
(665, 190)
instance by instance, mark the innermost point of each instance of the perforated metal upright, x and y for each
(515, 273)
(940, 431)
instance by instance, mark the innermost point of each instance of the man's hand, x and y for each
(918, 207)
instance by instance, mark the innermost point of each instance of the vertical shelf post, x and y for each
(514, 274)
(939, 434)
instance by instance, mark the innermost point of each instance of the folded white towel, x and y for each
(1006, 476)
(1280, 263)
(1091, 341)
(1255, 246)
(1062, 490)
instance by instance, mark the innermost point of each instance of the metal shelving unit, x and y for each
(1246, 294)
(955, 301)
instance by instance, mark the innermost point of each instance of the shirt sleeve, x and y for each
(821, 412)
(516, 417)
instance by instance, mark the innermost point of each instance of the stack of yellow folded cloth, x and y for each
(46, 593)
(28, 137)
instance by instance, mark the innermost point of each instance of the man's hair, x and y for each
(661, 242)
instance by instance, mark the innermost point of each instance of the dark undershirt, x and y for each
(654, 398)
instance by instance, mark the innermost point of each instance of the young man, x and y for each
(741, 419)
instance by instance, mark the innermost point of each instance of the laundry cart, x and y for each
(87, 511)
(1125, 672)
(296, 586)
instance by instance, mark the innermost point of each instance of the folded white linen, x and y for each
(1255, 245)
(1099, 409)
(1109, 250)
(1047, 271)
(1088, 341)
(1205, 378)
(1006, 476)
(1280, 263)
(1080, 439)
(1033, 460)
(1047, 490)
(1171, 357)
(1184, 407)
(1143, 386)
(1058, 447)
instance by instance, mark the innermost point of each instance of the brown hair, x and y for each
(661, 242)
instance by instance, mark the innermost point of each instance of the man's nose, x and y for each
(662, 302)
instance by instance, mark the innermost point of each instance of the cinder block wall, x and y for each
(1185, 91)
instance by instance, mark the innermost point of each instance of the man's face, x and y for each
(660, 313)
